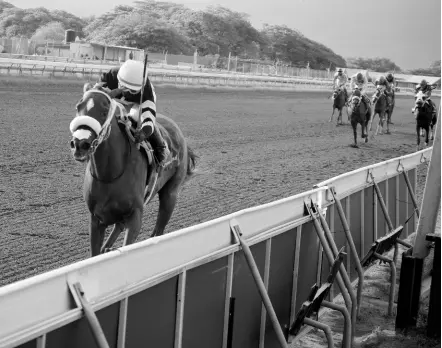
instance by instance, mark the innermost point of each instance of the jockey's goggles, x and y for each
(125, 89)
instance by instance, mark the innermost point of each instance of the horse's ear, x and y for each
(87, 86)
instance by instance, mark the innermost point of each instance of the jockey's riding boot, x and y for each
(160, 146)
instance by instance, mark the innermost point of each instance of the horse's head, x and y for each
(92, 124)
(356, 99)
(420, 99)
(336, 92)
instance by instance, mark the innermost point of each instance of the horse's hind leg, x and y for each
(96, 232)
(118, 228)
(167, 196)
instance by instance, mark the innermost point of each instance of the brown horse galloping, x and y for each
(120, 179)
(380, 108)
(359, 113)
(424, 118)
(338, 103)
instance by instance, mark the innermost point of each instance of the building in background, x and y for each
(96, 51)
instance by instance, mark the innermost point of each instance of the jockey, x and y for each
(360, 81)
(385, 88)
(391, 80)
(426, 89)
(339, 80)
(125, 83)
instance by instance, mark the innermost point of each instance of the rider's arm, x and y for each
(148, 106)
(352, 83)
(110, 78)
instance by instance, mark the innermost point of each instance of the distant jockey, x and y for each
(426, 89)
(339, 80)
(391, 80)
(125, 83)
(360, 81)
(385, 87)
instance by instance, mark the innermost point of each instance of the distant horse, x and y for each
(425, 119)
(338, 103)
(359, 113)
(392, 105)
(380, 108)
(121, 178)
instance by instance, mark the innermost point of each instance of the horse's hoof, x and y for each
(355, 146)
(366, 139)
(387, 132)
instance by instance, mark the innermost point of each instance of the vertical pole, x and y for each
(431, 201)
(433, 320)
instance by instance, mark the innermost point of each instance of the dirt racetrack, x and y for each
(254, 147)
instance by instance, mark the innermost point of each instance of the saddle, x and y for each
(145, 147)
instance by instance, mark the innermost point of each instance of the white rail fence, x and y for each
(177, 289)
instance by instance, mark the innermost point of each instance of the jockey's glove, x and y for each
(148, 128)
(116, 93)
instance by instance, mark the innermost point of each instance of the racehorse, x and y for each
(359, 113)
(380, 108)
(424, 117)
(338, 103)
(121, 177)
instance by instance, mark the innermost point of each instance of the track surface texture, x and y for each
(254, 147)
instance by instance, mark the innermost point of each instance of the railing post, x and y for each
(432, 196)
(260, 285)
(94, 324)
(352, 249)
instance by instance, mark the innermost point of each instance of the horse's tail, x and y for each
(191, 161)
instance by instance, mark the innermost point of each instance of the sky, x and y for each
(406, 31)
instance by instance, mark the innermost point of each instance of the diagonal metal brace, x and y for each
(235, 229)
(352, 246)
(91, 318)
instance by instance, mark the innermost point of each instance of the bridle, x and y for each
(102, 131)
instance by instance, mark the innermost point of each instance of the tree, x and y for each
(51, 31)
(433, 70)
(374, 64)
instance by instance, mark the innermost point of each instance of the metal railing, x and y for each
(194, 287)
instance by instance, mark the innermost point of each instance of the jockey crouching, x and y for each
(426, 89)
(339, 80)
(385, 87)
(125, 83)
(360, 81)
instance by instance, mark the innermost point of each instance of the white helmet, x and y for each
(130, 75)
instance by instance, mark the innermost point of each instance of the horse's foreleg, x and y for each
(371, 121)
(133, 226)
(340, 117)
(96, 233)
(418, 137)
(167, 197)
(355, 134)
(427, 134)
(331, 117)
(112, 237)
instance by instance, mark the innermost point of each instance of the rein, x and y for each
(103, 131)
